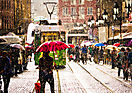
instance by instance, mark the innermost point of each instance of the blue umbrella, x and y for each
(99, 44)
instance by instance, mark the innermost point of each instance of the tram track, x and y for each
(93, 77)
(113, 76)
(113, 90)
(97, 79)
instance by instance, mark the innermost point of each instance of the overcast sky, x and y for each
(39, 9)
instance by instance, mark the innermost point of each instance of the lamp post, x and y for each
(128, 7)
(105, 17)
(116, 17)
(92, 23)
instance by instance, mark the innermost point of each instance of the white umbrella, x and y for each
(17, 46)
(86, 43)
(11, 39)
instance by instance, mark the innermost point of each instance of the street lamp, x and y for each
(92, 23)
(115, 16)
(105, 17)
(128, 8)
(50, 13)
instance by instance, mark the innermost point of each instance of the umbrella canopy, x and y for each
(71, 45)
(86, 43)
(111, 47)
(11, 39)
(99, 44)
(52, 46)
(129, 43)
(17, 46)
(28, 47)
(117, 44)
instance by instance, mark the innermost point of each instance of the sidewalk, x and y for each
(24, 83)
(65, 81)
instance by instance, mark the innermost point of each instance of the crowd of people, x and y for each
(122, 59)
(11, 65)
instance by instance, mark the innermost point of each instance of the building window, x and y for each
(81, 2)
(73, 12)
(73, 2)
(81, 12)
(90, 11)
(65, 11)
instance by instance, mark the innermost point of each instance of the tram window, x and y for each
(44, 22)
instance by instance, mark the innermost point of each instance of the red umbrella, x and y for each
(71, 45)
(117, 44)
(28, 47)
(52, 46)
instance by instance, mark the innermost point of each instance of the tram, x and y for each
(50, 30)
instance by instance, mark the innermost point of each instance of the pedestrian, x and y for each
(70, 56)
(125, 66)
(113, 58)
(129, 61)
(101, 52)
(77, 54)
(45, 72)
(90, 53)
(84, 54)
(120, 58)
(5, 70)
(25, 60)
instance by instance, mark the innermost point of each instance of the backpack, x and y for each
(130, 57)
(121, 57)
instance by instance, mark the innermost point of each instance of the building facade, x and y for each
(74, 14)
(109, 6)
(6, 16)
(22, 16)
(15, 15)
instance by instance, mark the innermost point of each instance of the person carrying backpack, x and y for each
(120, 58)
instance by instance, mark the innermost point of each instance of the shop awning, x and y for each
(124, 36)
(127, 35)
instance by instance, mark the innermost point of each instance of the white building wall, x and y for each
(39, 9)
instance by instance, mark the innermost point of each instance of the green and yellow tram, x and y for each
(50, 33)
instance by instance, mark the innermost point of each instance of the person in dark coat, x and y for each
(84, 54)
(120, 58)
(14, 59)
(45, 72)
(130, 61)
(77, 54)
(5, 70)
